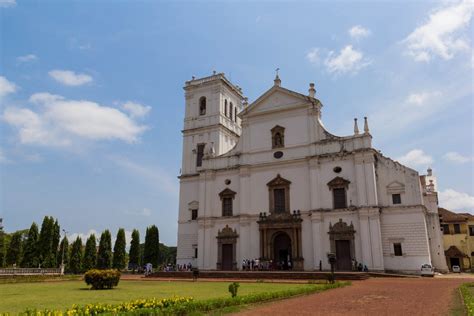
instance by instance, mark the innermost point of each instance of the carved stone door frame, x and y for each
(226, 236)
(342, 231)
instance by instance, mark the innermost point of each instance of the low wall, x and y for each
(261, 275)
(30, 271)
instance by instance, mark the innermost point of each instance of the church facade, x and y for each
(266, 180)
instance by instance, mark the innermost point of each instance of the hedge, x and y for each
(102, 279)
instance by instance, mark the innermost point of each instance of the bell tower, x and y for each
(211, 125)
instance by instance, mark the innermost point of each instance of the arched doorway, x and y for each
(282, 251)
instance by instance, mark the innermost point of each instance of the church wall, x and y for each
(408, 227)
(187, 228)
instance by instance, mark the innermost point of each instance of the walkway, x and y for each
(376, 296)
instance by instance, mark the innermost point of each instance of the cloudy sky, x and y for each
(91, 99)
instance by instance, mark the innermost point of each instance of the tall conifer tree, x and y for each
(90, 254)
(75, 258)
(55, 244)
(134, 255)
(104, 255)
(63, 253)
(30, 249)
(119, 260)
(152, 244)
(45, 243)
(3, 247)
(14, 250)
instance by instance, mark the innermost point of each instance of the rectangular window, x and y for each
(471, 230)
(339, 195)
(396, 199)
(457, 228)
(279, 200)
(445, 229)
(194, 215)
(227, 206)
(195, 252)
(200, 154)
(397, 249)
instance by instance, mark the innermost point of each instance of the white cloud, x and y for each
(6, 87)
(26, 58)
(7, 3)
(70, 78)
(358, 32)
(313, 56)
(415, 158)
(136, 110)
(348, 60)
(144, 212)
(453, 200)
(421, 98)
(59, 121)
(442, 35)
(457, 157)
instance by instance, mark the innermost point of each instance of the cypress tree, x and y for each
(75, 258)
(63, 252)
(104, 256)
(152, 244)
(134, 255)
(3, 247)
(119, 260)
(55, 244)
(45, 242)
(14, 250)
(30, 249)
(90, 254)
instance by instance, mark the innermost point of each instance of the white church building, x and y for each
(268, 181)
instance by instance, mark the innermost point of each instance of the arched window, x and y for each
(338, 186)
(225, 107)
(227, 197)
(202, 106)
(231, 109)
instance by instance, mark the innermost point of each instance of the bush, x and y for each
(102, 279)
(468, 298)
(233, 287)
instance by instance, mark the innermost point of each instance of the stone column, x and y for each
(316, 235)
(370, 238)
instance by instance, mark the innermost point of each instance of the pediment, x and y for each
(338, 182)
(227, 193)
(395, 187)
(276, 98)
(194, 205)
(279, 181)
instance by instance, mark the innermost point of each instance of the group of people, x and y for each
(358, 266)
(261, 265)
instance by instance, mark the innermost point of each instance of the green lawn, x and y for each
(17, 297)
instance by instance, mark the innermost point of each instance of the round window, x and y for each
(278, 154)
(227, 181)
(337, 169)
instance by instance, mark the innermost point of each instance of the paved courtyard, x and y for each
(376, 296)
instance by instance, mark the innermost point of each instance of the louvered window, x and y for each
(339, 195)
(279, 200)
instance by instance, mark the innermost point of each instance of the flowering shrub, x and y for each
(468, 298)
(233, 287)
(102, 279)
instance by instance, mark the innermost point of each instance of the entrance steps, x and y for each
(262, 275)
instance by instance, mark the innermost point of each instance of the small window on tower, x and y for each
(200, 154)
(202, 106)
(396, 199)
(231, 109)
(194, 215)
(235, 114)
(195, 252)
(225, 107)
(397, 249)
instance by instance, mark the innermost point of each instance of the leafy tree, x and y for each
(14, 250)
(119, 260)
(134, 254)
(152, 244)
(75, 258)
(104, 255)
(55, 243)
(63, 252)
(167, 254)
(90, 254)
(45, 243)
(30, 248)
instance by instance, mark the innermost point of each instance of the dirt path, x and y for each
(384, 296)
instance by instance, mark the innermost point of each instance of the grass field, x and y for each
(15, 298)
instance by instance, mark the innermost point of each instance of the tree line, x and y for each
(44, 248)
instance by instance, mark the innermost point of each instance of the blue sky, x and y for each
(91, 99)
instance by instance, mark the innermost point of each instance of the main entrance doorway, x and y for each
(343, 255)
(227, 256)
(282, 251)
